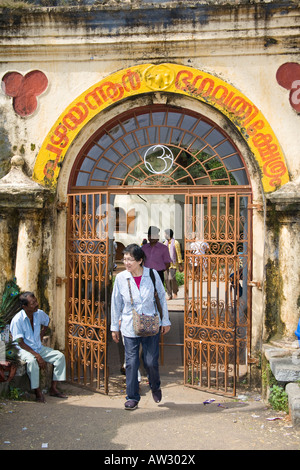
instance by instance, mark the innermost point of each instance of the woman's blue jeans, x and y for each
(150, 346)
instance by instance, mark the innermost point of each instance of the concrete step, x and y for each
(286, 369)
(284, 363)
(285, 366)
(293, 391)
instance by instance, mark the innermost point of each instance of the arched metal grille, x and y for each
(159, 146)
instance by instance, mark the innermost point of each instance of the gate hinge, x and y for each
(258, 207)
(61, 280)
(253, 360)
(61, 206)
(255, 284)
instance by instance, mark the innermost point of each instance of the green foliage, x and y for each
(15, 394)
(180, 278)
(10, 305)
(279, 399)
(13, 4)
(267, 376)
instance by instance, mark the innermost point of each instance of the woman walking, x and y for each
(133, 288)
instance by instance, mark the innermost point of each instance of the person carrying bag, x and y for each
(134, 294)
(146, 325)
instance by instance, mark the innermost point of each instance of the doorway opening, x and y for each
(134, 214)
(172, 168)
(212, 314)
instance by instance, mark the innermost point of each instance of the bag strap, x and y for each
(155, 291)
(153, 279)
(131, 299)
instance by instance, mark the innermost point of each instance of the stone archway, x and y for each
(154, 80)
(167, 78)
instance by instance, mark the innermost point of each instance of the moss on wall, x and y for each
(268, 379)
(5, 152)
(273, 323)
(115, 14)
(43, 279)
(13, 226)
(45, 266)
(274, 327)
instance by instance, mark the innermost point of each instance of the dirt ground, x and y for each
(183, 421)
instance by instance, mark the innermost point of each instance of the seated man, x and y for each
(28, 328)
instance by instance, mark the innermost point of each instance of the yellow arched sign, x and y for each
(171, 78)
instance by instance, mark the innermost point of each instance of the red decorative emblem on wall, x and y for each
(288, 76)
(24, 90)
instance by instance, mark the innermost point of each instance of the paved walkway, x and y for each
(181, 422)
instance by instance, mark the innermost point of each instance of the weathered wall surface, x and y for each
(76, 47)
(73, 48)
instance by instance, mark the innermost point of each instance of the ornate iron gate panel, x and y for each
(217, 298)
(87, 261)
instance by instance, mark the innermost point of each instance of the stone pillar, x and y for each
(287, 209)
(29, 249)
(289, 265)
(20, 195)
(6, 261)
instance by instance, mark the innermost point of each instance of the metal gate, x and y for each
(88, 284)
(164, 149)
(217, 297)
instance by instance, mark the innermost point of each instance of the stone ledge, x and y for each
(285, 365)
(21, 379)
(287, 197)
(17, 190)
(293, 391)
(284, 362)
(285, 369)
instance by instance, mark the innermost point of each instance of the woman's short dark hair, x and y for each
(135, 251)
